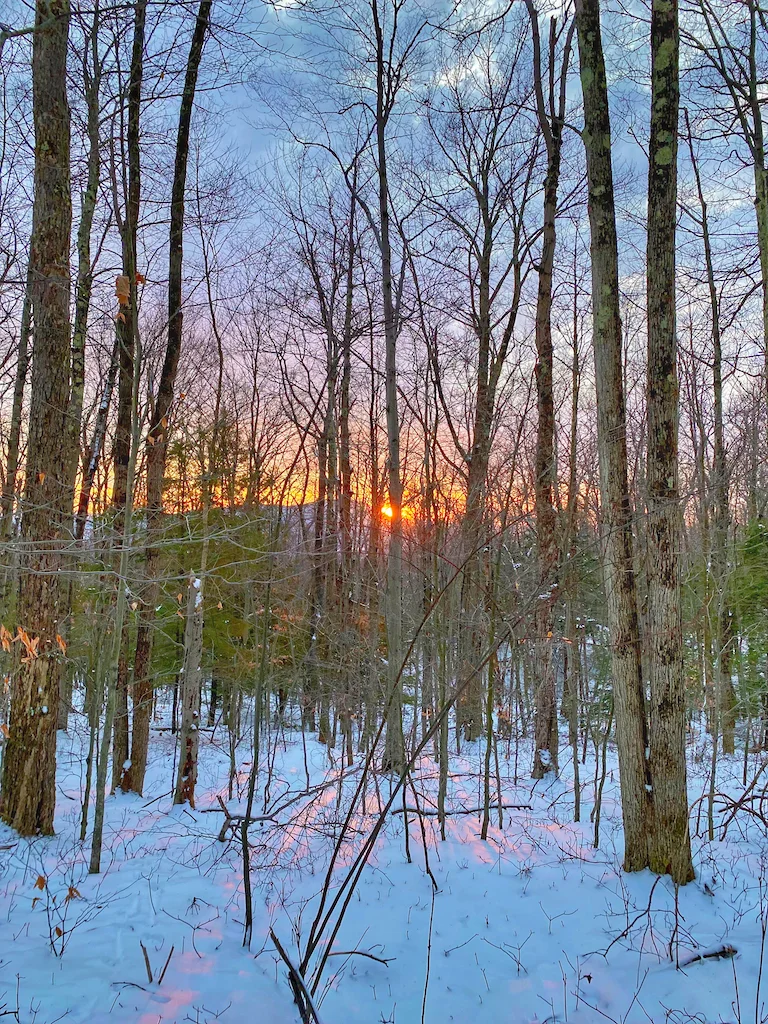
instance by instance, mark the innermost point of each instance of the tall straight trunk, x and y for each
(756, 101)
(724, 698)
(394, 749)
(545, 726)
(127, 324)
(345, 462)
(616, 510)
(92, 77)
(157, 438)
(14, 434)
(670, 844)
(29, 764)
(473, 597)
(117, 647)
(571, 655)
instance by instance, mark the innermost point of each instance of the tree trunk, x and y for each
(29, 765)
(127, 326)
(14, 433)
(157, 438)
(190, 695)
(670, 844)
(545, 726)
(724, 697)
(93, 455)
(92, 80)
(394, 748)
(616, 511)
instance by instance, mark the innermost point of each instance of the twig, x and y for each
(146, 961)
(429, 958)
(162, 973)
(359, 952)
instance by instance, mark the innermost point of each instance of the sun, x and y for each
(388, 511)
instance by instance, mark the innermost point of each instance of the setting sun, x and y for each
(388, 511)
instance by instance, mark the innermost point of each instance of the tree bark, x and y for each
(29, 765)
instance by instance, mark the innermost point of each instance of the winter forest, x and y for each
(384, 511)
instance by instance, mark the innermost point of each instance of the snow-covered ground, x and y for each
(517, 931)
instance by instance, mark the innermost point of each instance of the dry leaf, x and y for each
(40, 883)
(59, 932)
(123, 289)
(5, 638)
(62, 644)
(5, 730)
(41, 477)
(73, 893)
(219, 605)
(120, 318)
(140, 279)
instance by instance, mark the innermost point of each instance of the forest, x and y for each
(384, 511)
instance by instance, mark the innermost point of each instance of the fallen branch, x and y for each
(726, 952)
(472, 810)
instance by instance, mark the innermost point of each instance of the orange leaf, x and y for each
(5, 730)
(120, 318)
(73, 893)
(123, 289)
(40, 883)
(59, 932)
(140, 279)
(62, 644)
(41, 478)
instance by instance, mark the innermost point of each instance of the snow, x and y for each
(532, 925)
